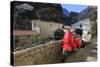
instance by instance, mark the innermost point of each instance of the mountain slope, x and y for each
(65, 12)
(86, 13)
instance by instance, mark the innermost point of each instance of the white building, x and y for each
(86, 26)
(35, 26)
(46, 28)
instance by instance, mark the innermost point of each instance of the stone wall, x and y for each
(42, 54)
(50, 53)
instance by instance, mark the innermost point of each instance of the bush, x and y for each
(39, 39)
(58, 34)
(94, 29)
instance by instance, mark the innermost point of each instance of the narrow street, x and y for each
(88, 53)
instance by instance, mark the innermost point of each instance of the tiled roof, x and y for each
(24, 32)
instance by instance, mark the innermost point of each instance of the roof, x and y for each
(25, 6)
(23, 32)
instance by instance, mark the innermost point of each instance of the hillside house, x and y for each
(23, 38)
(46, 28)
(86, 26)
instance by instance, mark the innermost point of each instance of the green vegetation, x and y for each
(23, 42)
(39, 39)
(58, 34)
(93, 18)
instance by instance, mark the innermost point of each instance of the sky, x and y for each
(75, 8)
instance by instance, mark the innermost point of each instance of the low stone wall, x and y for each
(42, 54)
